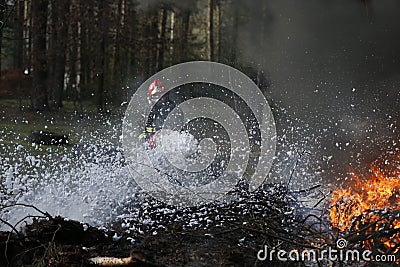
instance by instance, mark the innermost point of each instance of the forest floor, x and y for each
(235, 241)
(243, 229)
(57, 241)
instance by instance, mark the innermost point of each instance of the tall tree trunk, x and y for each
(172, 40)
(51, 50)
(154, 41)
(39, 24)
(100, 88)
(181, 38)
(185, 34)
(118, 75)
(59, 40)
(78, 62)
(218, 26)
(102, 66)
(178, 32)
(130, 30)
(210, 30)
(2, 22)
(87, 43)
(19, 35)
(235, 25)
(27, 36)
(72, 53)
(162, 40)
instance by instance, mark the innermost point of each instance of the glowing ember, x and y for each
(378, 191)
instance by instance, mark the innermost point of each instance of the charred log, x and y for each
(49, 138)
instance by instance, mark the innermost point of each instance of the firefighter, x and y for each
(163, 106)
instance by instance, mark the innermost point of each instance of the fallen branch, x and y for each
(44, 213)
(136, 257)
(111, 261)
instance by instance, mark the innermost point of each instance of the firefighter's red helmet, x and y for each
(156, 89)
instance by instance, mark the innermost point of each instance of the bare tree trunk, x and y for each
(71, 52)
(51, 48)
(177, 43)
(78, 93)
(172, 40)
(218, 26)
(233, 54)
(185, 33)
(86, 44)
(161, 41)
(117, 75)
(2, 18)
(39, 24)
(100, 88)
(59, 40)
(154, 40)
(149, 32)
(130, 29)
(19, 35)
(210, 30)
(27, 36)
(102, 66)
(74, 55)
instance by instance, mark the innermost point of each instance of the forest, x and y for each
(78, 151)
(71, 50)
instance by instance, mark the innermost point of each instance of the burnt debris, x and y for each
(49, 138)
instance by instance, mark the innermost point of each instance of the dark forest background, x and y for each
(330, 69)
(310, 57)
(71, 50)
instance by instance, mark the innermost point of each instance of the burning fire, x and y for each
(356, 206)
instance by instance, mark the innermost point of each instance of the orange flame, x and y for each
(380, 190)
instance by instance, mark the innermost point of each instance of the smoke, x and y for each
(334, 67)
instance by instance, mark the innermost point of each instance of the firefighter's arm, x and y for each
(146, 133)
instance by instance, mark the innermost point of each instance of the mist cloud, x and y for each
(334, 66)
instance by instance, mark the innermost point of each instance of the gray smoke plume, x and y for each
(334, 66)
